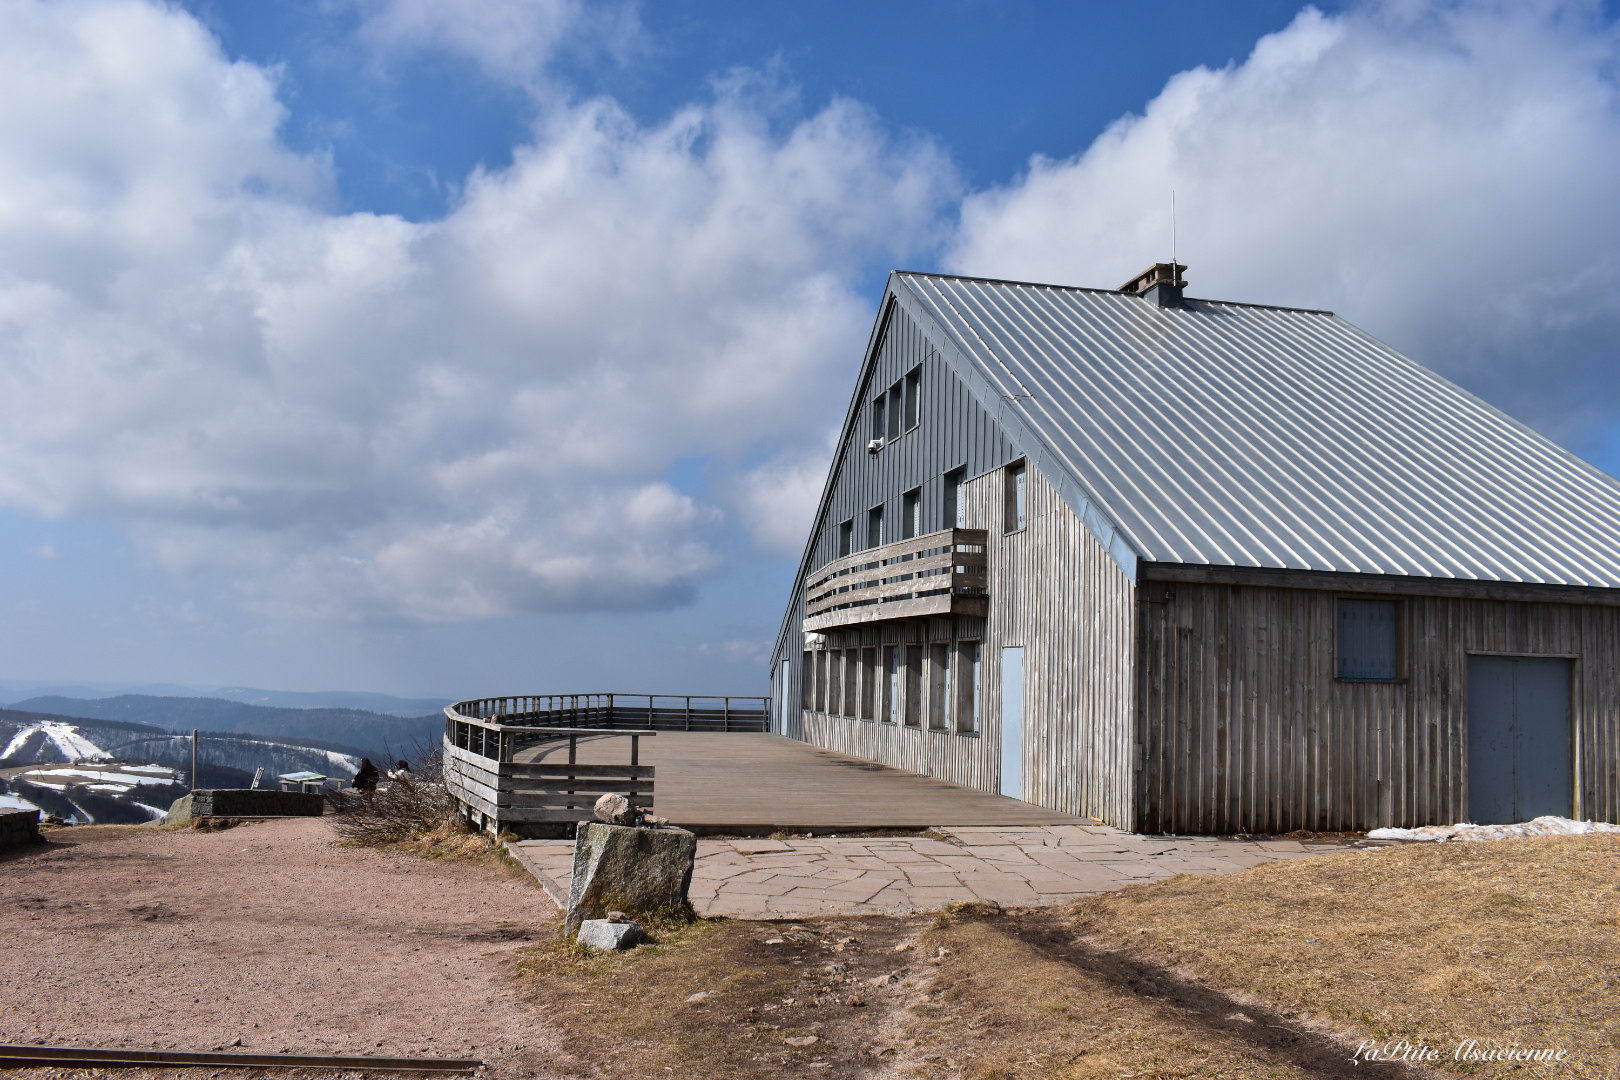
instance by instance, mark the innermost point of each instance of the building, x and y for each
(1197, 566)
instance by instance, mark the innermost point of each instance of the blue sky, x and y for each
(454, 348)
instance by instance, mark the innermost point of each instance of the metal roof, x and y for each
(1239, 435)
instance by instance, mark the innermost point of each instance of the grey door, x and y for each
(1520, 751)
(1012, 721)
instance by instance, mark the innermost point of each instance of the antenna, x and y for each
(1175, 272)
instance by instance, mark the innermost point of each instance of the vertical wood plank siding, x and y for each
(1244, 727)
(952, 432)
(1056, 592)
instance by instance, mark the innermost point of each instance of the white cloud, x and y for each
(511, 40)
(1442, 175)
(357, 416)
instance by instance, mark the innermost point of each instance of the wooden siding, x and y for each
(1244, 727)
(1055, 591)
(952, 432)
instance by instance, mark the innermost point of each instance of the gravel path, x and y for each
(271, 934)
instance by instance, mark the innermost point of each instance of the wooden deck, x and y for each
(756, 784)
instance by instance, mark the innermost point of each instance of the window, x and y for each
(869, 684)
(911, 514)
(912, 705)
(894, 411)
(889, 707)
(955, 513)
(967, 680)
(874, 527)
(835, 684)
(912, 396)
(807, 688)
(1015, 513)
(939, 687)
(1367, 640)
(846, 538)
(880, 426)
(818, 696)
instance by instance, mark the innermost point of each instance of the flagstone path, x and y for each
(865, 875)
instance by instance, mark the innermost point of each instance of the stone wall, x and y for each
(18, 828)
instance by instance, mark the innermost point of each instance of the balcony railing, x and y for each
(943, 573)
(504, 760)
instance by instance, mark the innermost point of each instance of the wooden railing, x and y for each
(496, 792)
(943, 573)
(661, 712)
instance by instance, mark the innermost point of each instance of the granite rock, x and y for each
(610, 936)
(617, 868)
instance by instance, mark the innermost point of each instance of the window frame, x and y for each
(1015, 497)
(846, 538)
(911, 399)
(953, 508)
(874, 528)
(880, 425)
(911, 514)
(940, 712)
(1397, 640)
(969, 670)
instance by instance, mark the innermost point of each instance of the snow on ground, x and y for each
(65, 736)
(16, 802)
(126, 778)
(1548, 825)
(154, 811)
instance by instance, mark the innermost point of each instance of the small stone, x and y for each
(802, 1040)
(614, 916)
(903, 946)
(883, 980)
(836, 969)
(774, 941)
(610, 936)
(856, 1002)
(701, 995)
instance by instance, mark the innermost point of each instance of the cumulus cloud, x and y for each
(1440, 174)
(358, 416)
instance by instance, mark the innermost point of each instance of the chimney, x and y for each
(1160, 284)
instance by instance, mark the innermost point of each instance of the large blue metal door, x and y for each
(1520, 750)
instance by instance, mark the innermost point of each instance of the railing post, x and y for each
(688, 712)
(725, 715)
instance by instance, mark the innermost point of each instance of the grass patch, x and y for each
(1512, 941)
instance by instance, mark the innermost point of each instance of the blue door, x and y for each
(1012, 721)
(1520, 748)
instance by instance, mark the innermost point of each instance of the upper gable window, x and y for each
(874, 527)
(1368, 644)
(895, 406)
(880, 427)
(846, 538)
(1016, 513)
(913, 397)
(953, 504)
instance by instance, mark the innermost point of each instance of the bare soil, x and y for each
(272, 934)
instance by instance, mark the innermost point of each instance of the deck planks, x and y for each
(754, 781)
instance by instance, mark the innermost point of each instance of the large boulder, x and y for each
(627, 869)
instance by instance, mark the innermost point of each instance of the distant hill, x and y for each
(387, 704)
(378, 733)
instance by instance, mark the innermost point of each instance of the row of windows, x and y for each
(896, 410)
(904, 685)
(953, 512)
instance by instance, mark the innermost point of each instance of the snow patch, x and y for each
(16, 802)
(124, 778)
(1548, 825)
(65, 736)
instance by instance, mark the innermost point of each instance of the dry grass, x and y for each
(1277, 972)
(1510, 941)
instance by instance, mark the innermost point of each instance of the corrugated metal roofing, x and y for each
(1239, 435)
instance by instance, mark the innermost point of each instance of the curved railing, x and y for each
(483, 738)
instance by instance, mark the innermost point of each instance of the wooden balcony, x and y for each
(943, 573)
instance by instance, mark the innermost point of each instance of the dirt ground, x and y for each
(274, 935)
(271, 934)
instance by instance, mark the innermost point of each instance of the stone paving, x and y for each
(868, 875)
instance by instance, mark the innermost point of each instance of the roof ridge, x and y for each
(1108, 292)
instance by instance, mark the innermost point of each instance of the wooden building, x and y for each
(1196, 566)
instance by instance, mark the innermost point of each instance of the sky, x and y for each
(464, 347)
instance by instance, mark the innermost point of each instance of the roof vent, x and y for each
(1160, 283)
